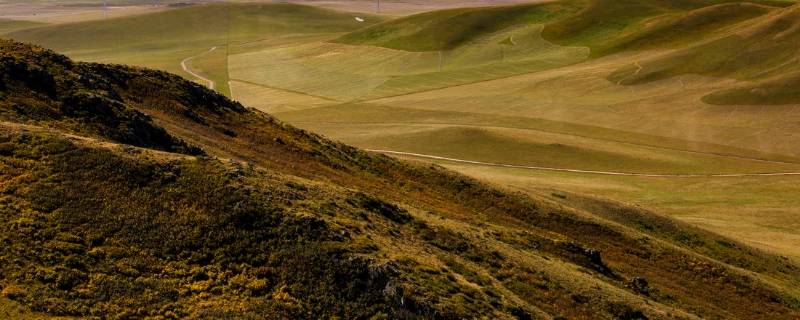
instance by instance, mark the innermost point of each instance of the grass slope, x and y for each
(448, 29)
(114, 229)
(344, 72)
(484, 39)
(504, 144)
(679, 29)
(608, 26)
(763, 50)
(375, 114)
(605, 26)
(774, 91)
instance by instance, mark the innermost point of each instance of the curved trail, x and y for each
(607, 173)
(185, 67)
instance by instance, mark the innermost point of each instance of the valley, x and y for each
(495, 146)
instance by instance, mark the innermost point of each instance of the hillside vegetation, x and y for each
(128, 192)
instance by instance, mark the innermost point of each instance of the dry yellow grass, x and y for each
(273, 100)
(581, 94)
(762, 212)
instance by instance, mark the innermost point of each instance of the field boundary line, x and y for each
(597, 172)
(501, 77)
(623, 142)
(284, 90)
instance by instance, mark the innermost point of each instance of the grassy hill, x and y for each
(610, 26)
(681, 28)
(602, 25)
(448, 29)
(133, 193)
(780, 90)
(284, 47)
(485, 41)
(763, 51)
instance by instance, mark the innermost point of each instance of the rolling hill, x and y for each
(609, 26)
(764, 51)
(449, 29)
(604, 26)
(778, 90)
(128, 192)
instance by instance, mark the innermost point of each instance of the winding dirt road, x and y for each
(185, 67)
(607, 173)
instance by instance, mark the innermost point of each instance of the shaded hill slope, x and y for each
(212, 214)
(782, 89)
(448, 29)
(611, 26)
(763, 51)
(604, 26)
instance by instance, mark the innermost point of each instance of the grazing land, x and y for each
(135, 193)
(619, 159)
(536, 84)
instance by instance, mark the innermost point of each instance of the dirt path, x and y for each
(185, 67)
(607, 173)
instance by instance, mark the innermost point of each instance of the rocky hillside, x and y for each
(131, 193)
